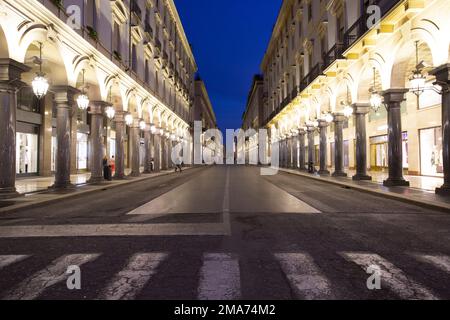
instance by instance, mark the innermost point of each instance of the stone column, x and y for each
(135, 137)
(148, 141)
(64, 99)
(301, 146)
(393, 99)
(360, 110)
(96, 154)
(280, 151)
(323, 127)
(10, 74)
(339, 120)
(119, 121)
(295, 152)
(311, 151)
(164, 163)
(442, 75)
(285, 153)
(169, 153)
(289, 152)
(157, 145)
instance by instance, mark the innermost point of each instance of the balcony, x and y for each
(158, 45)
(148, 29)
(311, 76)
(136, 12)
(332, 55)
(360, 27)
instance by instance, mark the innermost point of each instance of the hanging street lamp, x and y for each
(40, 83)
(83, 99)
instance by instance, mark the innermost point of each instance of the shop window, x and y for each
(26, 153)
(431, 160)
(27, 101)
(82, 151)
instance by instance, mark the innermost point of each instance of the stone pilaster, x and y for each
(323, 127)
(65, 103)
(360, 111)
(119, 122)
(96, 136)
(442, 74)
(339, 120)
(393, 99)
(10, 75)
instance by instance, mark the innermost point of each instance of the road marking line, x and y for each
(391, 276)
(34, 286)
(440, 262)
(10, 259)
(130, 281)
(113, 230)
(219, 277)
(304, 276)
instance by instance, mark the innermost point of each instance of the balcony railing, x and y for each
(332, 55)
(136, 10)
(148, 29)
(311, 76)
(360, 27)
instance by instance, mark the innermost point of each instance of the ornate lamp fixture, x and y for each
(40, 83)
(142, 125)
(328, 117)
(375, 98)
(417, 80)
(129, 119)
(110, 112)
(83, 100)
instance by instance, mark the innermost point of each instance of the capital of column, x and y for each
(64, 95)
(97, 107)
(394, 97)
(442, 74)
(361, 108)
(310, 129)
(119, 116)
(11, 72)
(338, 117)
(323, 123)
(301, 132)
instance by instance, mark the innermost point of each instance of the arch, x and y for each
(53, 64)
(4, 48)
(405, 62)
(365, 81)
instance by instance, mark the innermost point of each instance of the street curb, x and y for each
(101, 188)
(389, 195)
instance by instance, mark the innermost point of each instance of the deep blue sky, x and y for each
(229, 38)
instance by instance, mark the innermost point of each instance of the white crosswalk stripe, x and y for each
(11, 259)
(391, 276)
(34, 286)
(305, 278)
(438, 261)
(219, 277)
(130, 281)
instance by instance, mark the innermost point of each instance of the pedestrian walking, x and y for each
(106, 169)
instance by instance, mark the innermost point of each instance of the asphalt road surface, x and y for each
(226, 233)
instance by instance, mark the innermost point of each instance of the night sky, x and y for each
(229, 38)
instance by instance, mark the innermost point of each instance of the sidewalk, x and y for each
(415, 195)
(38, 194)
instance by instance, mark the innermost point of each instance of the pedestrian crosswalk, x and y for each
(221, 275)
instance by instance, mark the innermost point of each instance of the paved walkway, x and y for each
(37, 192)
(37, 184)
(413, 194)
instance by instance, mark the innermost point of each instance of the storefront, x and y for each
(27, 150)
(379, 152)
(82, 151)
(431, 163)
